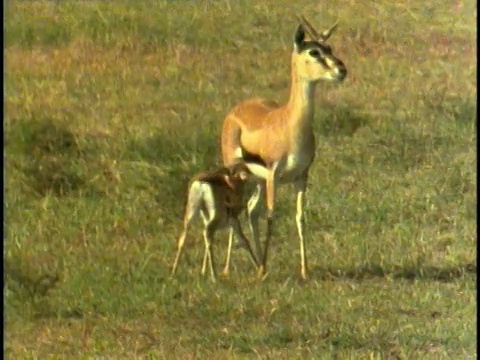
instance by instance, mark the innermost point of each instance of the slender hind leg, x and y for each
(181, 242)
(208, 235)
(204, 262)
(191, 210)
(211, 222)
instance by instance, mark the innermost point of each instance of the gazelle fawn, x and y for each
(218, 196)
(276, 142)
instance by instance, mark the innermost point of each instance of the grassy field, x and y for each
(110, 107)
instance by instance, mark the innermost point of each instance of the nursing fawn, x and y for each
(218, 196)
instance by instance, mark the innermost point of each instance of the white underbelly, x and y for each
(258, 170)
(288, 170)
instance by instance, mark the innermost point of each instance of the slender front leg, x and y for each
(255, 209)
(237, 230)
(300, 188)
(270, 187)
(226, 269)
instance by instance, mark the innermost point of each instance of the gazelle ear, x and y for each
(327, 33)
(299, 38)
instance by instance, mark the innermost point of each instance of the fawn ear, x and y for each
(227, 180)
(244, 174)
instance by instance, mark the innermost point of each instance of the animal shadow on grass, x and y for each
(54, 160)
(34, 285)
(433, 273)
(35, 290)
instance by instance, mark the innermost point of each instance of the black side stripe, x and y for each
(249, 157)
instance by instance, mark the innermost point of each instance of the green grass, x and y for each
(110, 108)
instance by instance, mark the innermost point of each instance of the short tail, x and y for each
(231, 142)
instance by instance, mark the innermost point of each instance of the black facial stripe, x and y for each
(306, 45)
(323, 62)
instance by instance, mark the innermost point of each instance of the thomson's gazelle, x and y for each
(218, 196)
(277, 142)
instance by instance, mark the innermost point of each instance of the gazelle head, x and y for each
(313, 58)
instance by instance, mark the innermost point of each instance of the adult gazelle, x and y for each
(277, 142)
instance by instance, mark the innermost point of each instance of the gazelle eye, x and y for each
(314, 53)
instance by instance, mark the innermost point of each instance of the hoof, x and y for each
(262, 273)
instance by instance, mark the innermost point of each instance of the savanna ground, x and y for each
(110, 107)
